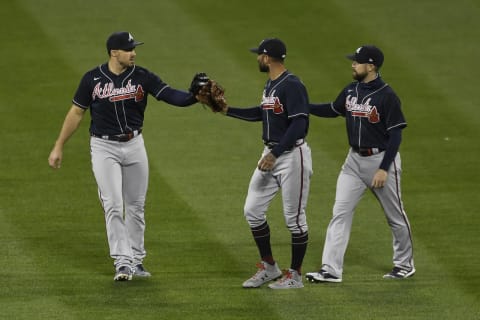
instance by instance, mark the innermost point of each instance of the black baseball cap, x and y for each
(272, 47)
(367, 54)
(122, 40)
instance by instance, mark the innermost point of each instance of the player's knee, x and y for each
(342, 208)
(252, 213)
(254, 219)
(256, 223)
(136, 208)
(296, 228)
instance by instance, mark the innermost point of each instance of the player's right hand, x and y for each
(55, 158)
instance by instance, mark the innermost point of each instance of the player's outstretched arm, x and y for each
(324, 110)
(70, 125)
(177, 97)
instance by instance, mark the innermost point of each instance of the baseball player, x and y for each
(374, 122)
(285, 164)
(116, 94)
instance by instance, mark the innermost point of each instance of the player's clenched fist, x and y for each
(55, 158)
(379, 178)
(267, 162)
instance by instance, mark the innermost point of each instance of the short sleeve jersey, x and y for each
(283, 99)
(117, 102)
(371, 110)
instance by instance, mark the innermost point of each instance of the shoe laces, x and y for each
(287, 275)
(261, 268)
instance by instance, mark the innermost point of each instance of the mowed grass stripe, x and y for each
(190, 170)
(433, 98)
(67, 186)
(441, 141)
(225, 221)
(34, 268)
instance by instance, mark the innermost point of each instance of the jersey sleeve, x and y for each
(163, 92)
(394, 116)
(324, 110)
(297, 100)
(83, 95)
(154, 85)
(338, 105)
(247, 114)
(176, 97)
(295, 131)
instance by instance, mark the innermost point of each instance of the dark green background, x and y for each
(54, 254)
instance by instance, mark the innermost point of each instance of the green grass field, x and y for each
(54, 252)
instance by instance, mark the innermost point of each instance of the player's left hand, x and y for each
(267, 162)
(379, 178)
(213, 95)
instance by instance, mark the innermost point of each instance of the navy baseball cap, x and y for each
(272, 47)
(121, 41)
(367, 54)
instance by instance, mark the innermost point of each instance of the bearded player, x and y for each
(374, 122)
(285, 165)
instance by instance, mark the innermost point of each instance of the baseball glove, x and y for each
(213, 95)
(198, 82)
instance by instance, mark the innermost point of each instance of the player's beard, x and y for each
(359, 76)
(263, 67)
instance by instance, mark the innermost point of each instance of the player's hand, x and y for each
(55, 158)
(267, 162)
(379, 178)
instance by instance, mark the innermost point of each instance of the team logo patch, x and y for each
(272, 103)
(118, 94)
(362, 110)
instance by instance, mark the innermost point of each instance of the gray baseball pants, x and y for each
(355, 177)
(121, 172)
(291, 174)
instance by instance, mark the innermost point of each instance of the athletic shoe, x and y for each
(123, 274)
(322, 276)
(265, 273)
(291, 280)
(399, 273)
(139, 271)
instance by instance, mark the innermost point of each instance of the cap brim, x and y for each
(254, 50)
(132, 46)
(351, 56)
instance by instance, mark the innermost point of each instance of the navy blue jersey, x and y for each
(284, 111)
(117, 102)
(283, 99)
(371, 110)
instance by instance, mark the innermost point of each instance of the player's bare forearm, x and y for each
(70, 125)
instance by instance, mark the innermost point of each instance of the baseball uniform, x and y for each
(117, 103)
(284, 112)
(374, 122)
